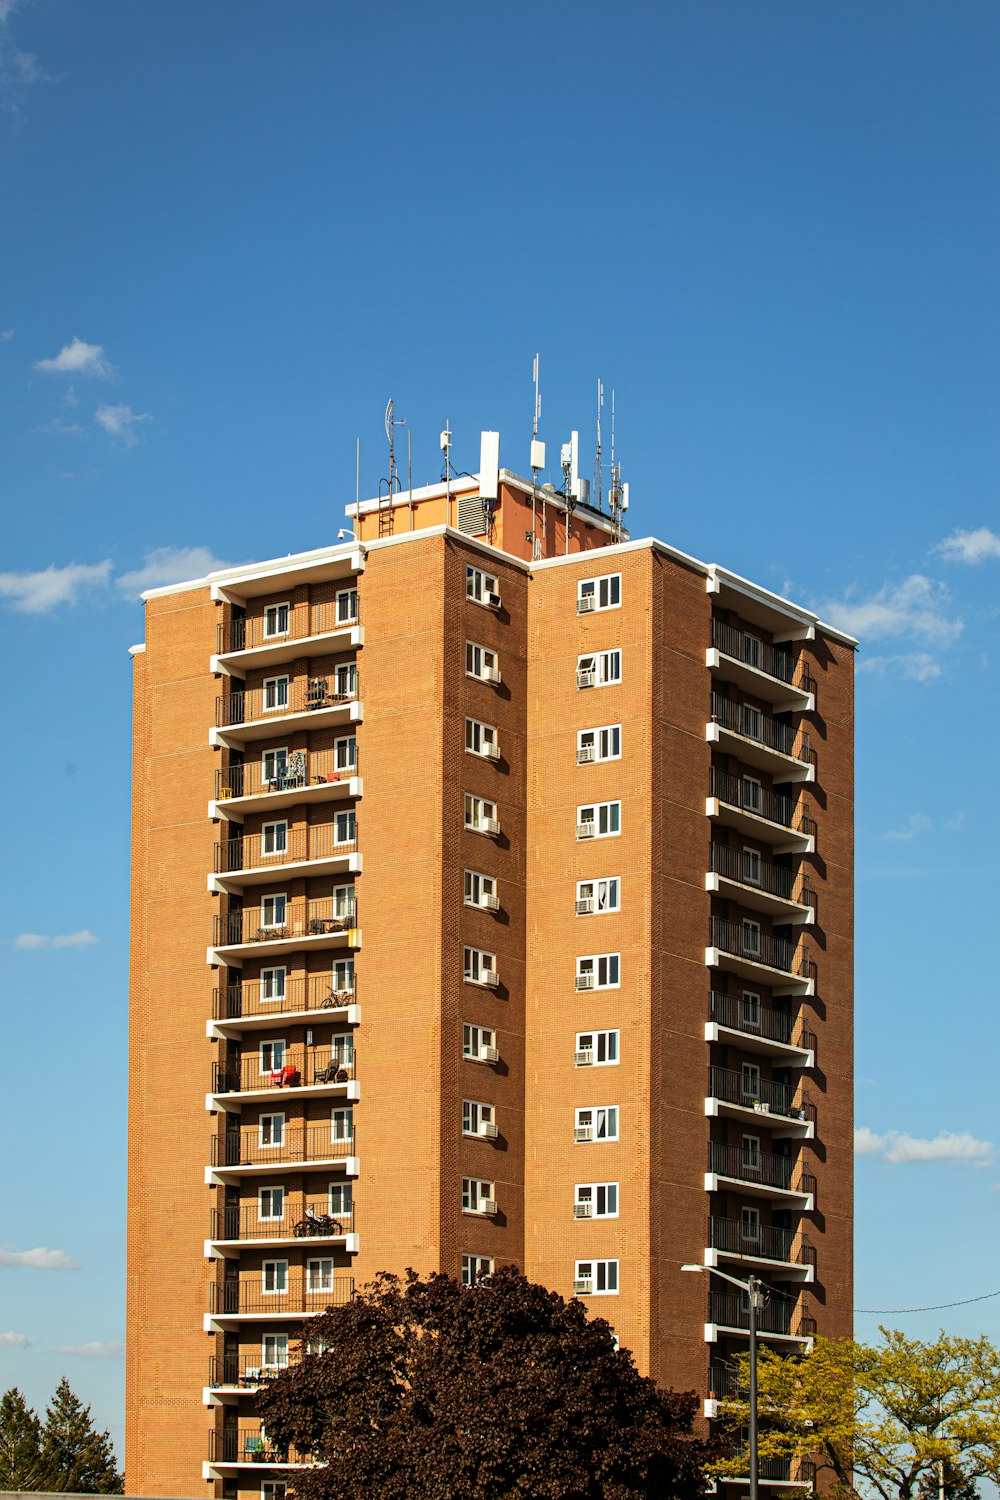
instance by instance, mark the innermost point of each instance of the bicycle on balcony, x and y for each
(318, 1224)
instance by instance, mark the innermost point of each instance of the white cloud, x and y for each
(915, 823)
(36, 593)
(30, 942)
(914, 666)
(121, 422)
(916, 607)
(39, 1259)
(77, 358)
(898, 1147)
(11, 1340)
(170, 565)
(970, 546)
(96, 1349)
(6, 334)
(17, 69)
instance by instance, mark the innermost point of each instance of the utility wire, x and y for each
(772, 1291)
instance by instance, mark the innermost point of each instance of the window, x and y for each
(274, 839)
(342, 1048)
(342, 1124)
(475, 1268)
(341, 1199)
(751, 1153)
(750, 936)
(273, 1489)
(595, 897)
(482, 588)
(345, 680)
(273, 911)
(275, 693)
(271, 1203)
(750, 1226)
(596, 1200)
(480, 967)
(319, 1275)
(345, 827)
(276, 619)
(347, 606)
(478, 1043)
(271, 1129)
(480, 890)
(345, 753)
(274, 765)
(481, 814)
(343, 976)
(598, 971)
(750, 1010)
(599, 744)
(477, 1196)
(272, 985)
(477, 1118)
(751, 794)
(481, 663)
(750, 1081)
(481, 739)
(274, 1277)
(599, 820)
(598, 669)
(272, 1056)
(751, 721)
(343, 902)
(602, 593)
(274, 1348)
(596, 1278)
(751, 866)
(597, 1049)
(599, 1123)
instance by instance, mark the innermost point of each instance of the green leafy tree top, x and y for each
(502, 1389)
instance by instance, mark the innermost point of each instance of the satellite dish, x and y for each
(389, 419)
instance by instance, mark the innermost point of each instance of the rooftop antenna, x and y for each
(446, 450)
(393, 484)
(598, 467)
(618, 495)
(537, 465)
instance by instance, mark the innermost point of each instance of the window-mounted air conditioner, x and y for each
(493, 600)
(488, 1206)
(490, 825)
(585, 754)
(489, 1054)
(491, 750)
(583, 1210)
(584, 1059)
(586, 679)
(490, 978)
(583, 1133)
(490, 903)
(585, 830)
(488, 1131)
(585, 981)
(491, 674)
(583, 1287)
(585, 604)
(585, 906)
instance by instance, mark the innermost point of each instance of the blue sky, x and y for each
(232, 231)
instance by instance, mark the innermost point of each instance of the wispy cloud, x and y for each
(36, 593)
(17, 69)
(77, 358)
(912, 666)
(898, 1147)
(30, 942)
(915, 824)
(970, 546)
(918, 606)
(170, 565)
(39, 1259)
(122, 422)
(12, 1340)
(61, 428)
(6, 334)
(96, 1349)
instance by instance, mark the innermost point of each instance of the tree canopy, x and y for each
(502, 1389)
(878, 1419)
(64, 1453)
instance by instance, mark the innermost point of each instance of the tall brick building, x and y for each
(522, 866)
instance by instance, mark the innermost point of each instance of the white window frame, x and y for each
(605, 665)
(340, 1199)
(750, 1153)
(596, 813)
(750, 1082)
(601, 740)
(476, 1040)
(751, 935)
(269, 1190)
(751, 722)
(602, 583)
(751, 865)
(345, 679)
(475, 963)
(273, 984)
(480, 734)
(273, 686)
(476, 1116)
(480, 660)
(475, 1191)
(351, 595)
(598, 1272)
(755, 802)
(750, 1009)
(278, 761)
(342, 976)
(591, 1115)
(593, 964)
(479, 585)
(749, 1224)
(273, 902)
(601, 891)
(344, 1115)
(321, 1282)
(606, 1040)
(273, 1489)
(345, 744)
(476, 1268)
(275, 609)
(589, 1192)
(343, 906)
(277, 1131)
(350, 818)
(478, 888)
(269, 1047)
(478, 812)
(278, 1339)
(279, 1270)
(277, 834)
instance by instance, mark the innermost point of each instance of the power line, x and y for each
(935, 1307)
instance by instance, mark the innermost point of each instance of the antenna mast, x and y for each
(393, 484)
(618, 494)
(598, 466)
(537, 465)
(446, 450)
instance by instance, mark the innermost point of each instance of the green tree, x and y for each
(77, 1457)
(22, 1466)
(878, 1419)
(500, 1390)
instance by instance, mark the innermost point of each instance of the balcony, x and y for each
(250, 1297)
(309, 1223)
(772, 1472)
(302, 1146)
(760, 669)
(731, 1310)
(761, 740)
(243, 1372)
(257, 858)
(758, 1027)
(308, 776)
(770, 817)
(255, 1007)
(759, 883)
(759, 1174)
(760, 1244)
(326, 628)
(734, 1093)
(234, 1447)
(326, 922)
(741, 947)
(248, 714)
(317, 1069)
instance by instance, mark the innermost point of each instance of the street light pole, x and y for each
(754, 1289)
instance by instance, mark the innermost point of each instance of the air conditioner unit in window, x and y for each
(585, 830)
(585, 604)
(583, 1288)
(583, 1133)
(585, 981)
(493, 600)
(488, 1206)
(489, 825)
(586, 679)
(488, 1131)
(491, 750)
(491, 674)
(489, 1054)
(585, 754)
(585, 906)
(490, 978)
(584, 1059)
(583, 1210)
(490, 903)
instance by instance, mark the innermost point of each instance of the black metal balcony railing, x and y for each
(268, 924)
(243, 1371)
(253, 1295)
(754, 1018)
(773, 1470)
(732, 1310)
(296, 695)
(733, 1086)
(764, 729)
(250, 1445)
(763, 1168)
(295, 1067)
(245, 1148)
(304, 768)
(747, 794)
(760, 1241)
(746, 940)
(751, 649)
(251, 631)
(304, 1221)
(284, 846)
(749, 868)
(247, 998)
